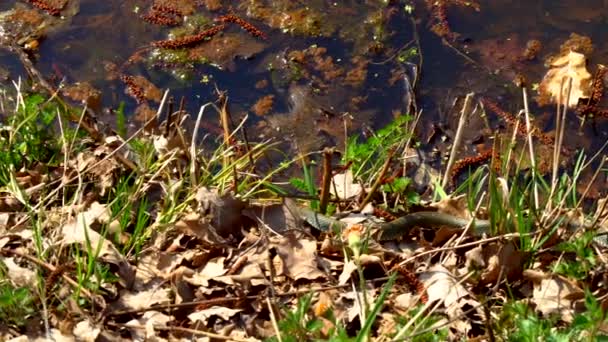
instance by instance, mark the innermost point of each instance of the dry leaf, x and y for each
(554, 294)
(86, 332)
(441, 285)
(149, 320)
(213, 268)
(279, 218)
(499, 259)
(220, 311)
(193, 225)
(299, 258)
(144, 299)
(571, 64)
(225, 211)
(344, 186)
(349, 268)
(80, 231)
(20, 276)
(455, 206)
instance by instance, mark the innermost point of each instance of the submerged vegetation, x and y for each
(310, 216)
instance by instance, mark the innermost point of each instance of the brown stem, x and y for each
(326, 182)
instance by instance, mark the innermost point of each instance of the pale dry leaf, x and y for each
(554, 294)
(455, 206)
(79, 231)
(193, 225)
(406, 301)
(213, 269)
(56, 336)
(441, 285)
(278, 217)
(144, 299)
(344, 187)
(219, 311)
(251, 273)
(569, 65)
(349, 268)
(19, 276)
(503, 260)
(85, 331)
(474, 258)
(299, 258)
(224, 211)
(353, 311)
(354, 218)
(149, 319)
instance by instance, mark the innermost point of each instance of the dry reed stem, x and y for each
(326, 180)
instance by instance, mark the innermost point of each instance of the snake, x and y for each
(401, 226)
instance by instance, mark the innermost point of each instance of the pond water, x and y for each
(303, 68)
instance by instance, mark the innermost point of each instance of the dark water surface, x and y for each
(329, 60)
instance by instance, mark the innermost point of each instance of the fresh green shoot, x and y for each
(422, 329)
(585, 260)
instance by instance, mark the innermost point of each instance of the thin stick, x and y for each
(326, 182)
(273, 319)
(179, 329)
(531, 148)
(464, 116)
(225, 119)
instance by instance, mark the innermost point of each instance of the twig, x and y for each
(225, 119)
(179, 329)
(326, 182)
(273, 319)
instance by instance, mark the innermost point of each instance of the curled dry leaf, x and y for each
(571, 64)
(455, 206)
(193, 225)
(279, 218)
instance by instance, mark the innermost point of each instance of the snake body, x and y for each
(403, 225)
(400, 226)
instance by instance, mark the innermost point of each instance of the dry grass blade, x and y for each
(464, 117)
(531, 149)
